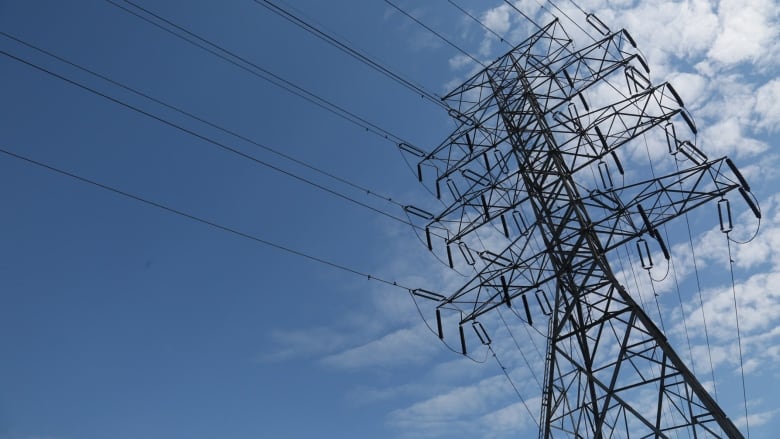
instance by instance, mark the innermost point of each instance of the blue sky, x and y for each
(119, 319)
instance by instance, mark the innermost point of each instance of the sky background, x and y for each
(119, 319)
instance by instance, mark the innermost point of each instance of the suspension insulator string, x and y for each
(647, 264)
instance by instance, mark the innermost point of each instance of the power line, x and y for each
(520, 349)
(205, 121)
(434, 332)
(523, 14)
(214, 142)
(606, 81)
(351, 51)
(514, 386)
(198, 219)
(571, 19)
(468, 14)
(219, 144)
(701, 301)
(429, 29)
(680, 300)
(578, 7)
(260, 72)
(739, 336)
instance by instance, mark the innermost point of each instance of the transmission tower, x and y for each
(534, 165)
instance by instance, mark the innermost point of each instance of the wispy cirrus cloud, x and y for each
(407, 346)
(484, 409)
(296, 343)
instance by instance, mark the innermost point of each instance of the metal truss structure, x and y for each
(536, 201)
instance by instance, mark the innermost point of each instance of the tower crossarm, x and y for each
(653, 203)
(592, 136)
(554, 76)
(489, 188)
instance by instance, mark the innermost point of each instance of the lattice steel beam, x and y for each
(535, 167)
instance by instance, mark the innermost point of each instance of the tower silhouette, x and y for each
(537, 200)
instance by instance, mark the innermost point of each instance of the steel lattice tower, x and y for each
(534, 166)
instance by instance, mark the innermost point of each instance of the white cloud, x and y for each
(497, 19)
(481, 409)
(767, 107)
(367, 395)
(507, 421)
(457, 370)
(727, 137)
(745, 30)
(758, 305)
(693, 88)
(460, 61)
(757, 419)
(301, 343)
(688, 27)
(408, 346)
